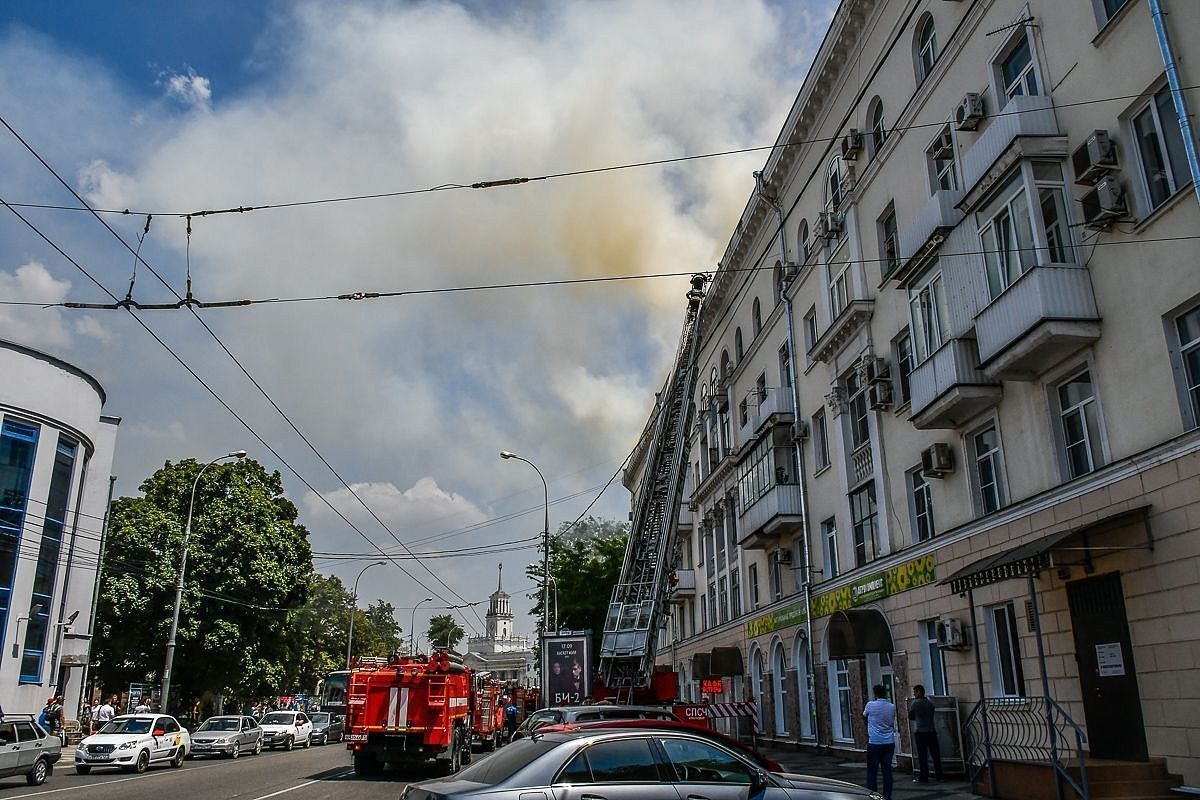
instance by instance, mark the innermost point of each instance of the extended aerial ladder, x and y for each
(635, 614)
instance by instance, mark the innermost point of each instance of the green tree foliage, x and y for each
(444, 630)
(585, 562)
(248, 558)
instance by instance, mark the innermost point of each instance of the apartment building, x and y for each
(949, 390)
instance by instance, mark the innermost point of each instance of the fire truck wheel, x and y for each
(466, 749)
(366, 764)
(488, 744)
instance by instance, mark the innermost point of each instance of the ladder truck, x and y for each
(636, 611)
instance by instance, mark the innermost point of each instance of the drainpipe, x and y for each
(1181, 111)
(801, 479)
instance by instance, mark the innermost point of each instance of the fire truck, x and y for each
(487, 715)
(409, 711)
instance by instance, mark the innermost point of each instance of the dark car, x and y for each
(633, 764)
(327, 727)
(592, 713)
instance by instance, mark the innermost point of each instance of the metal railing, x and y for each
(1028, 729)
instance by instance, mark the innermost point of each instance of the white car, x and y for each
(286, 729)
(133, 742)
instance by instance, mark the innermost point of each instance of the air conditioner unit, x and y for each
(942, 148)
(937, 461)
(829, 224)
(878, 370)
(789, 270)
(879, 395)
(1104, 204)
(969, 113)
(951, 634)
(782, 556)
(800, 431)
(1094, 159)
(852, 144)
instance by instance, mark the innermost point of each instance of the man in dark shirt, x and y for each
(920, 711)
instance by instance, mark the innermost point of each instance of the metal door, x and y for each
(1107, 677)
(31, 744)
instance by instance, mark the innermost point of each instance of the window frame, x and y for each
(1035, 87)
(943, 172)
(928, 331)
(904, 363)
(996, 459)
(1094, 427)
(802, 242)
(925, 49)
(876, 129)
(829, 539)
(820, 439)
(755, 318)
(811, 332)
(888, 231)
(1177, 175)
(865, 550)
(936, 682)
(920, 493)
(1007, 636)
(752, 582)
(1187, 385)
(839, 699)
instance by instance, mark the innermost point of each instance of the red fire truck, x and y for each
(410, 711)
(487, 717)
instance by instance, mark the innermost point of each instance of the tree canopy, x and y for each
(444, 631)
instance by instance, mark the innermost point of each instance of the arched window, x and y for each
(924, 47)
(737, 344)
(756, 316)
(726, 367)
(876, 132)
(802, 241)
(757, 669)
(805, 694)
(833, 184)
(779, 689)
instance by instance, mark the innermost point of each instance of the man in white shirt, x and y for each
(881, 739)
(105, 713)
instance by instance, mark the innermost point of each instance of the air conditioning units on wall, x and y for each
(1104, 204)
(829, 224)
(937, 461)
(879, 396)
(782, 556)
(800, 431)
(852, 144)
(951, 634)
(969, 113)
(1094, 159)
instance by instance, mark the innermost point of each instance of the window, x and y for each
(802, 241)
(18, 446)
(927, 310)
(758, 473)
(1107, 9)
(876, 132)
(829, 535)
(820, 440)
(864, 516)
(622, 761)
(743, 413)
(833, 184)
(723, 599)
(857, 419)
(756, 317)
(810, 329)
(735, 593)
(989, 471)
(1008, 680)
(840, 698)
(785, 367)
(775, 575)
(752, 572)
(839, 283)
(726, 365)
(920, 506)
(889, 248)
(738, 350)
(935, 662)
(1160, 148)
(1080, 424)
(699, 762)
(925, 47)
(943, 169)
(1187, 329)
(1018, 71)
(903, 354)
(712, 605)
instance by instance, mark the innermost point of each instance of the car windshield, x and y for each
(221, 724)
(320, 719)
(544, 717)
(132, 725)
(279, 719)
(504, 764)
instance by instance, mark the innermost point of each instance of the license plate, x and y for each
(99, 758)
(355, 737)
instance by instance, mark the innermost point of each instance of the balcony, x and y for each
(852, 319)
(684, 586)
(1046, 314)
(924, 235)
(776, 513)
(775, 408)
(1022, 116)
(948, 388)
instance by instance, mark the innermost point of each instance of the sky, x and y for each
(175, 108)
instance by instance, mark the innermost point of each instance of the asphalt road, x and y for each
(315, 773)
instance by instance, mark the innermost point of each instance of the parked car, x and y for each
(646, 764)
(327, 727)
(227, 736)
(286, 729)
(133, 742)
(562, 714)
(28, 749)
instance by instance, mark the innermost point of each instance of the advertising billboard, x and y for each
(567, 669)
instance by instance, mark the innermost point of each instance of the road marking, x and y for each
(341, 774)
(106, 783)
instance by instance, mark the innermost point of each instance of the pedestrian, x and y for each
(44, 717)
(142, 707)
(54, 716)
(921, 712)
(510, 720)
(881, 740)
(105, 713)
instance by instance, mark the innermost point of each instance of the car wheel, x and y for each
(289, 744)
(177, 759)
(143, 761)
(237, 751)
(37, 775)
(258, 747)
(308, 742)
(82, 770)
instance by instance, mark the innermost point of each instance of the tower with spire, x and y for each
(499, 616)
(499, 651)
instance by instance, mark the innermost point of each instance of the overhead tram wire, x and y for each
(185, 301)
(517, 181)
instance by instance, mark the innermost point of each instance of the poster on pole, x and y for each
(567, 669)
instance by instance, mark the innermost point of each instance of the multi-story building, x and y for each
(56, 452)
(949, 387)
(499, 651)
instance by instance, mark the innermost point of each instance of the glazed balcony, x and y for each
(777, 513)
(948, 388)
(923, 237)
(1022, 116)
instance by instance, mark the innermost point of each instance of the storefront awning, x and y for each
(858, 631)
(720, 662)
(1033, 557)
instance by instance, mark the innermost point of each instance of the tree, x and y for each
(444, 631)
(249, 561)
(585, 562)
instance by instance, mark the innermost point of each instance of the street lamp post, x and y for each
(354, 608)
(545, 542)
(412, 627)
(187, 533)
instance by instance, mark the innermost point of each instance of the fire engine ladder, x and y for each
(635, 614)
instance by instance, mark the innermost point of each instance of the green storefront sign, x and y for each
(900, 578)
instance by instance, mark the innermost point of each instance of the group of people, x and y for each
(880, 715)
(52, 718)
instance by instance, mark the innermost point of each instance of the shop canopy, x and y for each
(857, 631)
(720, 662)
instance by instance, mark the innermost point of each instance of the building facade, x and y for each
(949, 387)
(499, 651)
(56, 452)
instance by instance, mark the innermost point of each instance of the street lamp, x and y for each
(187, 533)
(412, 627)
(34, 610)
(545, 542)
(354, 608)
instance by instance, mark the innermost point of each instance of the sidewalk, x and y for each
(838, 767)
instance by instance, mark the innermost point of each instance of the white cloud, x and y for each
(32, 325)
(191, 89)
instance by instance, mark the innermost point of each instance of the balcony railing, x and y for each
(925, 233)
(948, 388)
(685, 584)
(861, 464)
(776, 400)
(775, 513)
(1022, 116)
(1043, 316)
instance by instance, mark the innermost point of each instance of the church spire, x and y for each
(500, 577)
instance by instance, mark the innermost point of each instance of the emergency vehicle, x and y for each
(487, 720)
(410, 711)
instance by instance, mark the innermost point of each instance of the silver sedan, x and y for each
(227, 736)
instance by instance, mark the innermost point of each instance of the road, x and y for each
(316, 773)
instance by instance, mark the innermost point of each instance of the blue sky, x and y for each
(177, 107)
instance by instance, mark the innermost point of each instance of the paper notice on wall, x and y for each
(1110, 663)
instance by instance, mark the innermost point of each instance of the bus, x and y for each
(331, 692)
